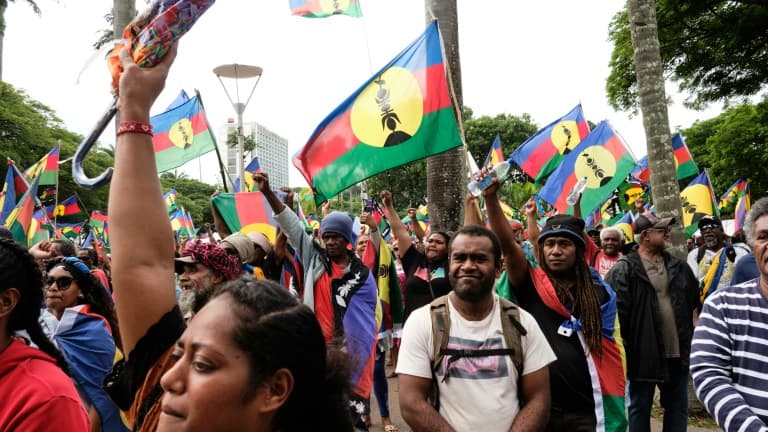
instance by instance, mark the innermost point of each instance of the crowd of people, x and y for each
(549, 327)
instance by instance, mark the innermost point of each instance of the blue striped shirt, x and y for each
(729, 357)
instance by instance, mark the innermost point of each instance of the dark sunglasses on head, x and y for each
(63, 283)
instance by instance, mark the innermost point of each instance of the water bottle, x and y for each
(499, 171)
(576, 192)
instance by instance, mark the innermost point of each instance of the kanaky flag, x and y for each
(698, 200)
(542, 153)
(495, 155)
(683, 160)
(402, 114)
(731, 194)
(46, 168)
(170, 201)
(642, 172)
(246, 212)
(626, 225)
(100, 226)
(19, 221)
(181, 135)
(743, 205)
(68, 207)
(250, 186)
(85, 339)
(14, 188)
(69, 230)
(325, 8)
(603, 158)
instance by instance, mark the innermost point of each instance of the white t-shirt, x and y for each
(481, 392)
(701, 268)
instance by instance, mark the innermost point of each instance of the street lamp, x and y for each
(238, 72)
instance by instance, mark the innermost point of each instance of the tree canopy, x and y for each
(732, 146)
(715, 50)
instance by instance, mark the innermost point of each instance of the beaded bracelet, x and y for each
(125, 127)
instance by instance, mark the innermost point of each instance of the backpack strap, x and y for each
(700, 253)
(513, 332)
(441, 328)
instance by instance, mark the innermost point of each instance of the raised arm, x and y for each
(417, 231)
(472, 215)
(218, 222)
(141, 237)
(398, 227)
(514, 258)
(532, 224)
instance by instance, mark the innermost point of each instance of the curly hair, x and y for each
(276, 332)
(20, 271)
(94, 293)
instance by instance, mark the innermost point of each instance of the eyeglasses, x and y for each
(709, 227)
(62, 284)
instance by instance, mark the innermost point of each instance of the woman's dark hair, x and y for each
(20, 271)
(94, 293)
(277, 332)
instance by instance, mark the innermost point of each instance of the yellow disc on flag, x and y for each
(181, 133)
(334, 6)
(697, 202)
(596, 164)
(565, 136)
(389, 110)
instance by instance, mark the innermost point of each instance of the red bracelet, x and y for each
(125, 127)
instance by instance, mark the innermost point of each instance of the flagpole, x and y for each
(56, 196)
(215, 144)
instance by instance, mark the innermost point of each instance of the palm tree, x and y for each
(653, 104)
(3, 7)
(446, 172)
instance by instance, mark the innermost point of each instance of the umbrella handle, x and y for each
(78, 174)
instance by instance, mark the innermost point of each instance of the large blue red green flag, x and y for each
(542, 153)
(603, 158)
(252, 167)
(641, 171)
(181, 135)
(47, 168)
(495, 155)
(246, 212)
(19, 221)
(325, 8)
(684, 163)
(698, 200)
(14, 188)
(402, 114)
(100, 226)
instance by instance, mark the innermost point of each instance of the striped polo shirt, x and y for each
(729, 357)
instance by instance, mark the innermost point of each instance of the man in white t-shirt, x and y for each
(479, 393)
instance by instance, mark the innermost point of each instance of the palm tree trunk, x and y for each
(653, 104)
(446, 172)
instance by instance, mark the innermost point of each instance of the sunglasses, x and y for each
(709, 227)
(62, 284)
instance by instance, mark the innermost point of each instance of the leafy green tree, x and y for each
(713, 49)
(249, 142)
(512, 130)
(193, 195)
(733, 145)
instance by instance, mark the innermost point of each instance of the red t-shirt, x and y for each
(324, 302)
(36, 394)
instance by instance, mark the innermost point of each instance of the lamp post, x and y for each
(238, 72)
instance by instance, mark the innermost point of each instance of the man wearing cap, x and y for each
(575, 310)
(656, 296)
(202, 267)
(239, 245)
(714, 250)
(337, 285)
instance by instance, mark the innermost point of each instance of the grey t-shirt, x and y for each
(657, 273)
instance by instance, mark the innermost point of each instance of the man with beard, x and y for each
(611, 242)
(656, 296)
(202, 267)
(478, 385)
(715, 251)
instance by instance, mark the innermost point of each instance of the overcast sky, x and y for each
(540, 57)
